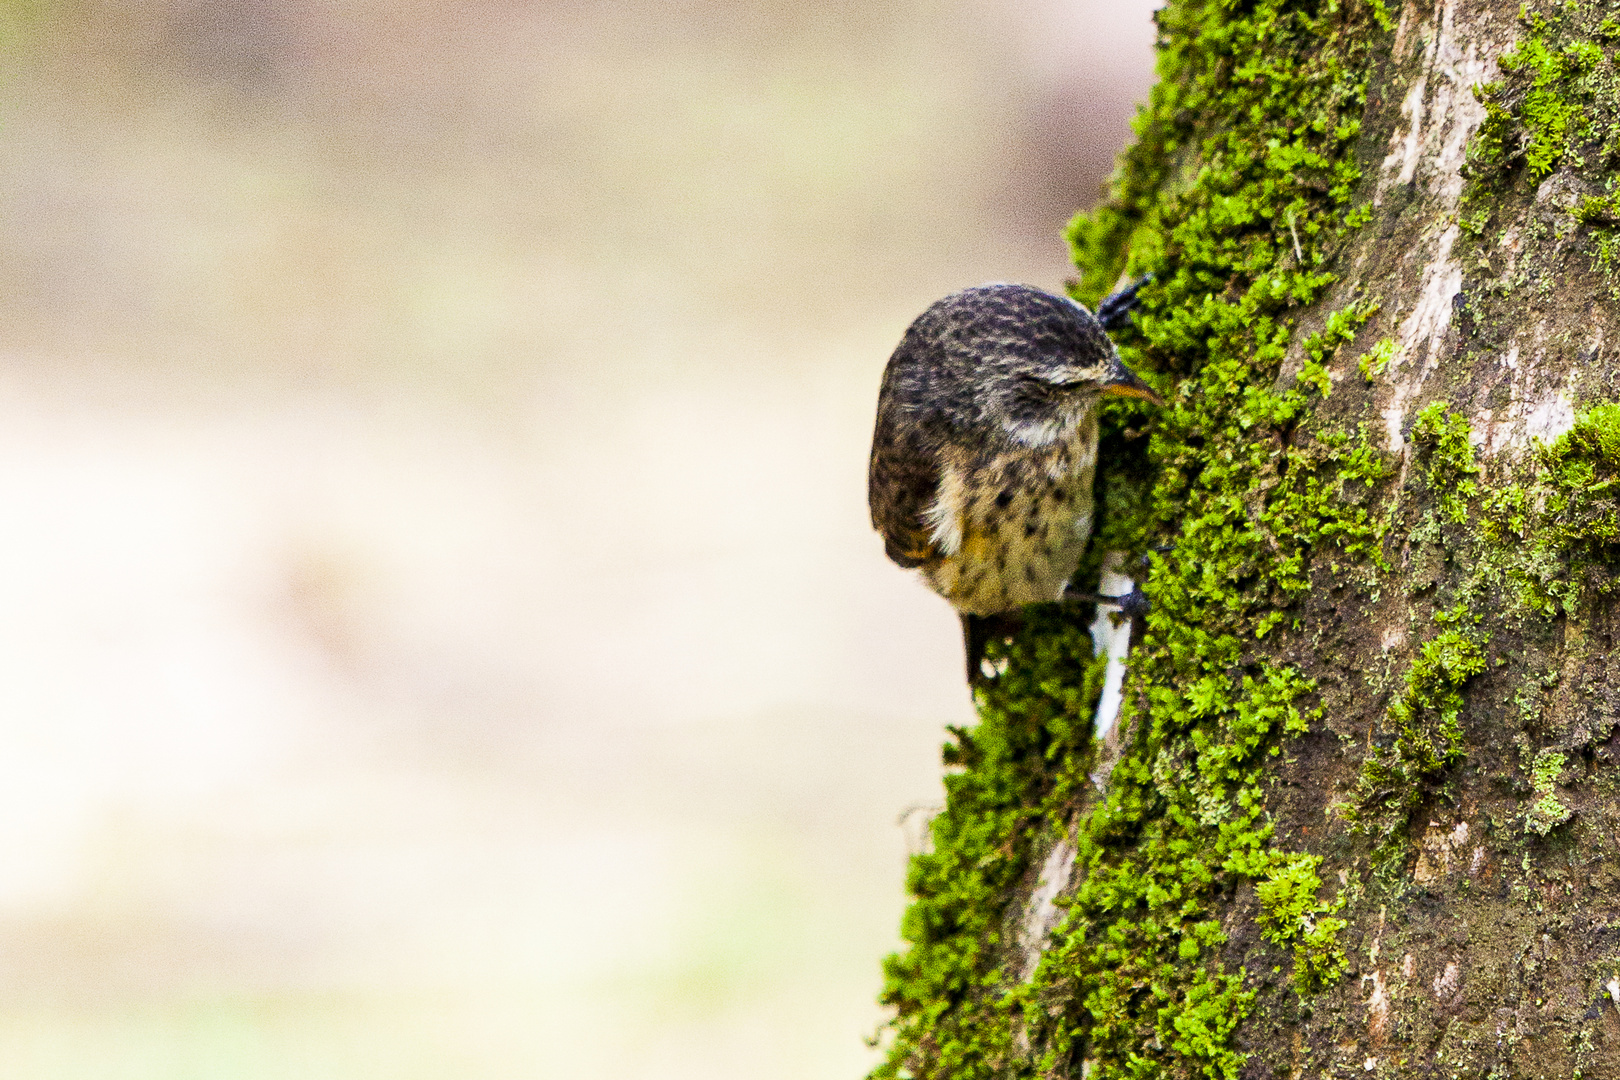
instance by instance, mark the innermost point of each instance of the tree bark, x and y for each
(1358, 813)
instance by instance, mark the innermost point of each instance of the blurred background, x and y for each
(440, 632)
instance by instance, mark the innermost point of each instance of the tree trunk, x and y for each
(1357, 814)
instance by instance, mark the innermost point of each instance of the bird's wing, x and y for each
(902, 484)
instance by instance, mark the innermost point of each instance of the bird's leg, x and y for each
(977, 631)
(1134, 603)
(1114, 311)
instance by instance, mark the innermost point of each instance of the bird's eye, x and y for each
(1059, 376)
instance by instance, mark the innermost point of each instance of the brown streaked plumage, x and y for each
(986, 446)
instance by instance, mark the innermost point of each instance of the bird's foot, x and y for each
(1134, 603)
(1115, 309)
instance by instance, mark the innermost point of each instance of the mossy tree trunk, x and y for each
(1361, 817)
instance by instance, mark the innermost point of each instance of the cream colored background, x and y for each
(440, 635)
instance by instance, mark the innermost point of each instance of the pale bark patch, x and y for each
(1041, 914)
(1533, 412)
(1441, 114)
(1440, 846)
(1446, 983)
(1551, 418)
(1377, 1009)
(1440, 109)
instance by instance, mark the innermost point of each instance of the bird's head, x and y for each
(1042, 361)
(1007, 359)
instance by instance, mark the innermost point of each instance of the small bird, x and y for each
(986, 446)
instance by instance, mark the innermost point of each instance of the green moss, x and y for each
(1581, 471)
(1549, 541)
(1423, 735)
(1536, 117)
(1528, 697)
(1426, 721)
(1427, 714)
(1557, 532)
(1291, 914)
(1339, 329)
(1556, 108)
(1546, 812)
(1017, 772)
(1450, 468)
(1555, 124)
(1376, 359)
(1601, 214)
(1235, 195)
(1598, 210)
(1319, 959)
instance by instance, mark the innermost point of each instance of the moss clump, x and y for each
(1581, 481)
(1601, 215)
(1236, 196)
(1426, 720)
(1557, 533)
(1598, 210)
(1543, 111)
(1137, 964)
(1319, 959)
(1017, 772)
(1546, 812)
(1450, 468)
(1556, 108)
(1291, 914)
(1553, 125)
(1427, 715)
(1376, 359)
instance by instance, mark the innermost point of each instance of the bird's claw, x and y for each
(1134, 604)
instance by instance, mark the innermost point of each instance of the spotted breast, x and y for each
(1011, 530)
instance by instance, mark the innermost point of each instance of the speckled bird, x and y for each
(986, 446)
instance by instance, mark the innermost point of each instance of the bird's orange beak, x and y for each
(1123, 382)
